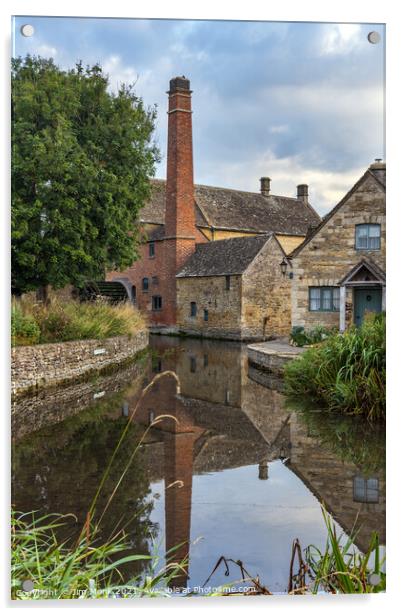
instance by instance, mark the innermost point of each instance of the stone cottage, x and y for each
(236, 289)
(339, 269)
(182, 219)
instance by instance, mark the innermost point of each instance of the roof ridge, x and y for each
(238, 190)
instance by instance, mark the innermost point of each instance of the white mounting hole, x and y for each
(27, 30)
(374, 37)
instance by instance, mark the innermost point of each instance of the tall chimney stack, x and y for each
(302, 192)
(265, 186)
(180, 217)
(179, 240)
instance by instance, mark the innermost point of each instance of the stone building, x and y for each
(339, 269)
(181, 217)
(235, 289)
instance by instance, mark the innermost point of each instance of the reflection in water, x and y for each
(232, 467)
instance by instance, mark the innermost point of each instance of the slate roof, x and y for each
(376, 170)
(237, 210)
(223, 257)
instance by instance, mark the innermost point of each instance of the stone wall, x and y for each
(210, 293)
(331, 254)
(256, 306)
(45, 365)
(265, 311)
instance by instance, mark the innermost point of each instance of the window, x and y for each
(133, 293)
(206, 315)
(205, 361)
(368, 237)
(156, 302)
(227, 283)
(151, 249)
(365, 490)
(193, 364)
(193, 309)
(324, 299)
(145, 284)
(155, 281)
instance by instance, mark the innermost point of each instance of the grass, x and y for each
(341, 569)
(36, 322)
(89, 568)
(345, 372)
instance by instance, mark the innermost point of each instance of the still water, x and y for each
(232, 471)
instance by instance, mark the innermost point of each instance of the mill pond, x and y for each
(235, 470)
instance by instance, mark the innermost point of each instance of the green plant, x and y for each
(24, 328)
(57, 321)
(346, 372)
(87, 568)
(300, 337)
(343, 569)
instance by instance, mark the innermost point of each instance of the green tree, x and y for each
(81, 162)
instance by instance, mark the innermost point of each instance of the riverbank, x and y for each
(48, 365)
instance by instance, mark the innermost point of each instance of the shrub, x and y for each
(300, 337)
(62, 321)
(346, 372)
(24, 329)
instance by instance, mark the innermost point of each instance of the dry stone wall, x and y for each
(45, 365)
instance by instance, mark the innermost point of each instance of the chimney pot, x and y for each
(265, 186)
(179, 84)
(302, 192)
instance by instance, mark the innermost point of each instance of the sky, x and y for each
(302, 103)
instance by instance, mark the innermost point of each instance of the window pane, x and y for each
(315, 298)
(361, 236)
(335, 298)
(326, 299)
(374, 243)
(374, 230)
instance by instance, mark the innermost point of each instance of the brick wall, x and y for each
(45, 365)
(331, 254)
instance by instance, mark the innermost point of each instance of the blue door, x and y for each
(366, 300)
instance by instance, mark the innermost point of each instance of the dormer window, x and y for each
(368, 237)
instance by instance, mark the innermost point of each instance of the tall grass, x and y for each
(88, 569)
(346, 372)
(57, 321)
(341, 568)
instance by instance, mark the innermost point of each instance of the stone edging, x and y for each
(46, 365)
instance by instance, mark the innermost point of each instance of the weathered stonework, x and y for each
(331, 254)
(45, 365)
(255, 307)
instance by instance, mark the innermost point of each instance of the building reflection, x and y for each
(219, 418)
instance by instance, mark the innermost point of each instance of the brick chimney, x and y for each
(265, 186)
(180, 218)
(302, 192)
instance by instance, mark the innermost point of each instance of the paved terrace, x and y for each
(271, 356)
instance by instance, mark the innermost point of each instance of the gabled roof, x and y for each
(237, 210)
(375, 273)
(223, 257)
(376, 170)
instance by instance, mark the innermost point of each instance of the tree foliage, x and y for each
(81, 162)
